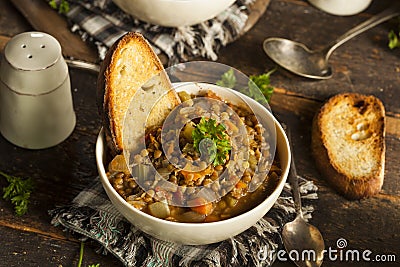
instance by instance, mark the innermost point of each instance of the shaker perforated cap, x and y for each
(33, 64)
(32, 51)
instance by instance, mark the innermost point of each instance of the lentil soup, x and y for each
(232, 180)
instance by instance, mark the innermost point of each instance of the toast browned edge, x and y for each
(101, 96)
(102, 82)
(349, 188)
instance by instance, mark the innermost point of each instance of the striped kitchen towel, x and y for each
(102, 22)
(92, 215)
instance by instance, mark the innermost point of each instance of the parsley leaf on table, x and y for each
(256, 84)
(228, 79)
(394, 41)
(82, 248)
(394, 35)
(62, 7)
(18, 192)
(263, 82)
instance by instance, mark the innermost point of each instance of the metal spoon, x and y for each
(299, 59)
(299, 236)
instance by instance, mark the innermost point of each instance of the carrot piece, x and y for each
(204, 209)
(200, 205)
(241, 185)
(196, 175)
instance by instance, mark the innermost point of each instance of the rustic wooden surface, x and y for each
(364, 65)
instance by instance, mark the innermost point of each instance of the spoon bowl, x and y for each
(307, 240)
(299, 236)
(297, 58)
(300, 60)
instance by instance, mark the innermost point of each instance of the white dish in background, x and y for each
(173, 13)
(341, 7)
(201, 233)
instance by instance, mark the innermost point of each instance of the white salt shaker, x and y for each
(36, 109)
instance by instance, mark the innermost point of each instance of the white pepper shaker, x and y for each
(36, 108)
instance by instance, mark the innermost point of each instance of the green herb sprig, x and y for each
(256, 84)
(209, 129)
(81, 257)
(228, 79)
(18, 192)
(394, 40)
(263, 82)
(394, 35)
(62, 7)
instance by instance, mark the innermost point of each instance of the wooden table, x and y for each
(363, 65)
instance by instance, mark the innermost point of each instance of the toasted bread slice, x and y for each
(132, 73)
(348, 143)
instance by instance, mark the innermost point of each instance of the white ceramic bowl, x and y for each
(173, 13)
(341, 7)
(201, 233)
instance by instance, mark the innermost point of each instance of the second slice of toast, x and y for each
(348, 143)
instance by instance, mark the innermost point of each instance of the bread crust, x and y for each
(342, 179)
(111, 109)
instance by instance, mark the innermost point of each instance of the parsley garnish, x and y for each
(209, 130)
(18, 192)
(258, 87)
(81, 257)
(394, 35)
(263, 82)
(62, 7)
(228, 79)
(394, 41)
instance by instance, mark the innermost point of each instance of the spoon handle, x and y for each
(383, 16)
(293, 180)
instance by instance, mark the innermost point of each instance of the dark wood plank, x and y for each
(11, 22)
(360, 223)
(30, 249)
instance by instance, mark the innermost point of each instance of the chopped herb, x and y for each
(18, 192)
(394, 35)
(262, 81)
(394, 41)
(228, 79)
(209, 130)
(259, 87)
(62, 6)
(81, 257)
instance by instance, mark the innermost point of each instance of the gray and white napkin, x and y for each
(92, 215)
(102, 22)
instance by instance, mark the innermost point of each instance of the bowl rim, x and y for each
(101, 146)
(181, 19)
